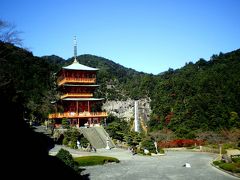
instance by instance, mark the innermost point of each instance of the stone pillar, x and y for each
(89, 122)
(107, 146)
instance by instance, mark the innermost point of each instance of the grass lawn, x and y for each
(94, 160)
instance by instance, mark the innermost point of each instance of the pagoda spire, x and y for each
(75, 49)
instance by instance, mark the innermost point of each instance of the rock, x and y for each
(226, 158)
(125, 109)
(146, 151)
(187, 165)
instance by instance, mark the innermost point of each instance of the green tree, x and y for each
(70, 137)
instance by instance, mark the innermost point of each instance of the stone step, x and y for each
(97, 136)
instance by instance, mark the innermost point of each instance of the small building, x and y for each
(77, 84)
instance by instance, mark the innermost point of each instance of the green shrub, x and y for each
(161, 151)
(65, 123)
(70, 137)
(83, 141)
(65, 141)
(140, 151)
(149, 145)
(67, 158)
(230, 167)
(228, 146)
(94, 160)
(236, 160)
(73, 145)
(217, 163)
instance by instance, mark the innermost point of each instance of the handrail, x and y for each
(77, 95)
(77, 115)
(76, 80)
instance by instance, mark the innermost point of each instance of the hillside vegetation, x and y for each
(200, 96)
(204, 95)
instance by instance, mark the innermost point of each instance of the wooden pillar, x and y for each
(88, 106)
(77, 107)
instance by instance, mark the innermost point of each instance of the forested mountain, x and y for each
(31, 78)
(200, 96)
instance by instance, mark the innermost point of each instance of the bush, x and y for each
(65, 123)
(236, 159)
(70, 137)
(229, 146)
(65, 141)
(161, 151)
(217, 163)
(83, 141)
(230, 167)
(73, 144)
(180, 143)
(140, 151)
(149, 145)
(94, 160)
(67, 158)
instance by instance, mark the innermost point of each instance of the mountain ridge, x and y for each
(200, 96)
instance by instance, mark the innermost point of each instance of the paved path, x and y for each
(168, 167)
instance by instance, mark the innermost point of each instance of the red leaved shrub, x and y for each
(180, 143)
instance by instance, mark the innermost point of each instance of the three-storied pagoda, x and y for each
(77, 84)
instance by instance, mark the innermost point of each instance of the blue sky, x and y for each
(146, 35)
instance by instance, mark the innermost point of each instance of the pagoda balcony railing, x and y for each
(77, 115)
(76, 80)
(77, 95)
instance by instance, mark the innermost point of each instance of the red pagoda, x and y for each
(77, 84)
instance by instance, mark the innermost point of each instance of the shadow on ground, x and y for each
(25, 152)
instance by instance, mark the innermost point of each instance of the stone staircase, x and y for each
(97, 136)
